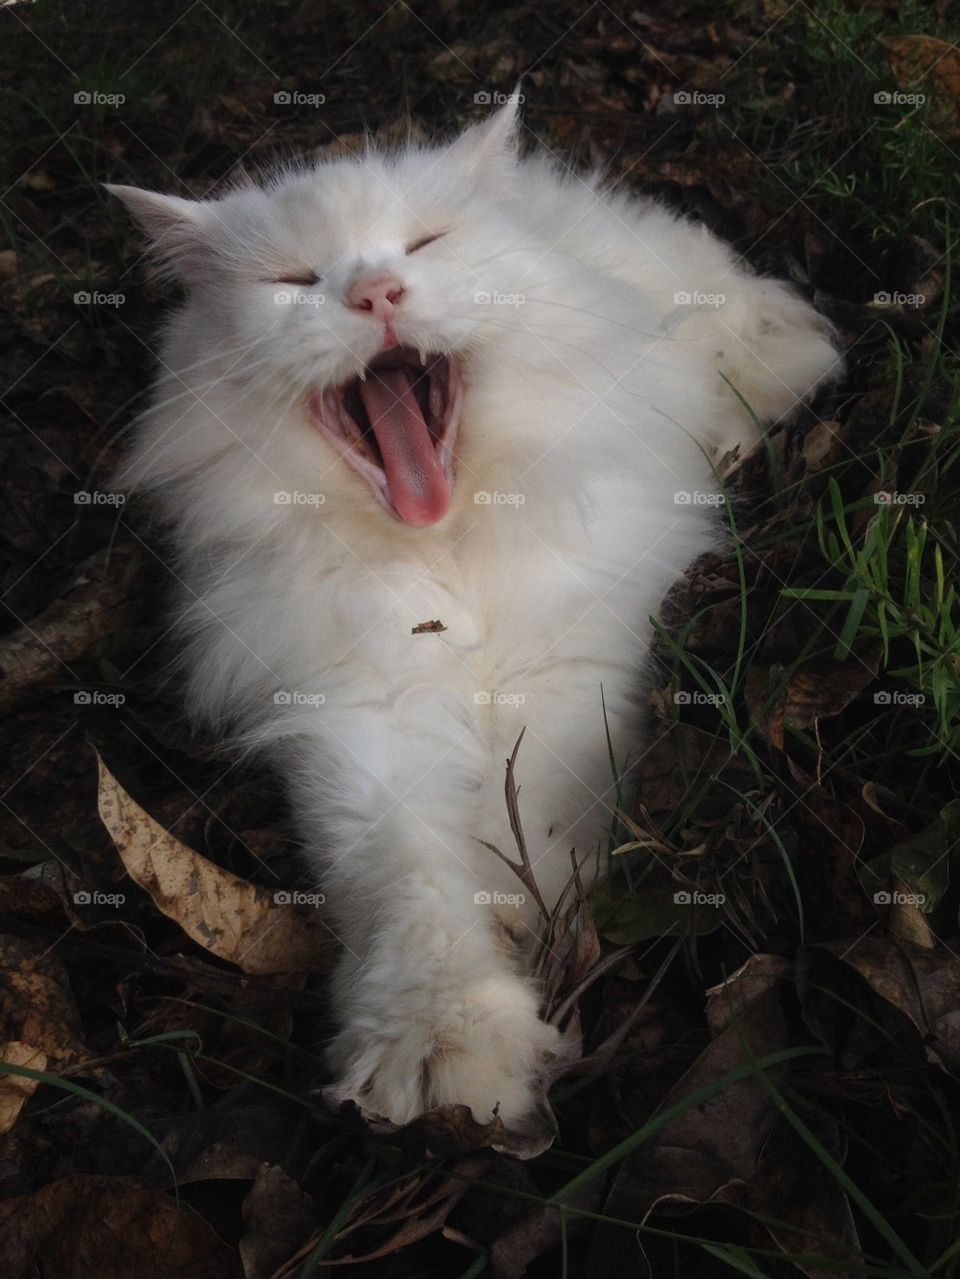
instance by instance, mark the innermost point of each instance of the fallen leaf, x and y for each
(923, 984)
(661, 907)
(278, 1217)
(234, 919)
(815, 691)
(111, 1227)
(714, 1153)
(921, 863)
(446, 1130)
(226, 1142)
(732, 997)
(919, 59)
(16, 1090)
(36, 1002)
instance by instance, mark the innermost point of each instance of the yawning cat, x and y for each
(432, 432)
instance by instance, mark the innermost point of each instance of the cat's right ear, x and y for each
(487, 152)
(178, 230)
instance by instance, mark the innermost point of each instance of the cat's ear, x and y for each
(178, 229)
(488, 151)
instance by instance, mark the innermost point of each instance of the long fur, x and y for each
(594, 399)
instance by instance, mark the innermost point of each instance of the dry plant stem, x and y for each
(600, 969)
(101, 598)
(522, 869)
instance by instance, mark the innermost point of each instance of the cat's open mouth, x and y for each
(397, 425)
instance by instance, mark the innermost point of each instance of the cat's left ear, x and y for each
(178, 229)
(488, 151)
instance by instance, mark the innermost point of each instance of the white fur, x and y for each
(597, 399)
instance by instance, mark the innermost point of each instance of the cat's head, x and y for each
(358, 288)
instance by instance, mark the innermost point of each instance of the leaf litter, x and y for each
(784, 879)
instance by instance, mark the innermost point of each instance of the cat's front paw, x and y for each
(482, 1045)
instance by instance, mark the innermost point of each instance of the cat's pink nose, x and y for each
(380, 295)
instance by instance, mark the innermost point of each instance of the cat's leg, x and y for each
(432, 1003)
(773, 348)
(761, 334)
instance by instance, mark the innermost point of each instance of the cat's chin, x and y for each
(396, 425)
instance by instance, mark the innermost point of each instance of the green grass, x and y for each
(887, 571)
(882, 170)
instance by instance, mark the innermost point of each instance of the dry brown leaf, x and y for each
(823, 445)
(16, 1090)
(814, 691)
(446, 1130)
(111, 1227)
(918, 60)
(714, 1153)
(923, 983)
(240, 922)
(36, 1003)
(729, 999)
(278, 1217)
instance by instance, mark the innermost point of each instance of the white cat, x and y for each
(540, 362)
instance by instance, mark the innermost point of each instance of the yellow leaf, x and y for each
(258, 930)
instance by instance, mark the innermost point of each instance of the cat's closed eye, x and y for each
(423, 242)
(306, 278)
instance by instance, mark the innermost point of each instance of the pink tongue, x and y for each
(419, 489)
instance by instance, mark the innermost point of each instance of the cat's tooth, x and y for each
(423, 357)
(436, 400)
(347, 425)
(362, 375)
